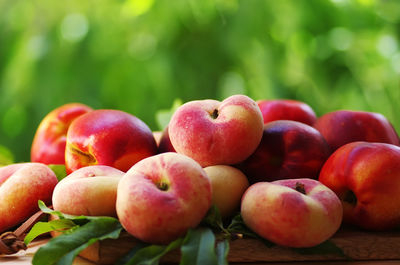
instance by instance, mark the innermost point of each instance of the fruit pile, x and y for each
(295, 178)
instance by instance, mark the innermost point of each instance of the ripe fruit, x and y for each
(165, 144)
(287, 109)
(345, 126)
(108, 137)
(228, 185)
(162, 196)
(292, 212)
(48, 145)
(366, 178)
(90, 190)
(21, 186)
(217, 133)
(288, 149)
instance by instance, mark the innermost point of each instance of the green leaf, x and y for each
(164, 116)
(151, 255)
(213, 219)
(44, 227)
(238, 226)
(59, 170)
(45, 209)
(63, 249)
(222, 252)
(125, 259)
(325, 248)
(79, 220)
(199, 248)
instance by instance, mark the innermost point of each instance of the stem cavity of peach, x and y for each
(214, 114)
(87, 157)
(300, 188)
(162, 186)
(350, 197)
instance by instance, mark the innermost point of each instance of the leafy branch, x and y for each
(198, 246)
(206, 244)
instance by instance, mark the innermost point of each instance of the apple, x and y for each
(217, 133)
(90, 191)
(228, 185)
(286, 109)
(165, 144)
(292, 212)
(48, 144)
(108, 137)
(162, 196)
(366, 178)
(288, 149)
(346, 126)
(21, 186)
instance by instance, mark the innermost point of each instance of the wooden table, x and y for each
(25, 258)
(365, 248)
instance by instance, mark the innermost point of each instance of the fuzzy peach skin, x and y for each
(21, 186)
(90, 191)
(157, 136)
(228, 185)
(217, 133)
(286, 109)
(108, 137)
(346, 126)
(48, 145)
(288, 149)
(366, 177)
(292, 212)
(162, 196)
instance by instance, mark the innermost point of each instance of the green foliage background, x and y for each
(140, 55)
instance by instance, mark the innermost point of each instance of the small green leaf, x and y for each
(151, 255)
(59, 170)
(238, 226)
(45, 209)
(44, 227)
(63, 249)
(213, 219)
(199, 248)
(164, 116)
(325, 248)
(79, 220)
(222, 252)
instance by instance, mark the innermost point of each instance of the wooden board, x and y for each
(356, 245)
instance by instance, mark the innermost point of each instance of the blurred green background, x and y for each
(140, 55)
